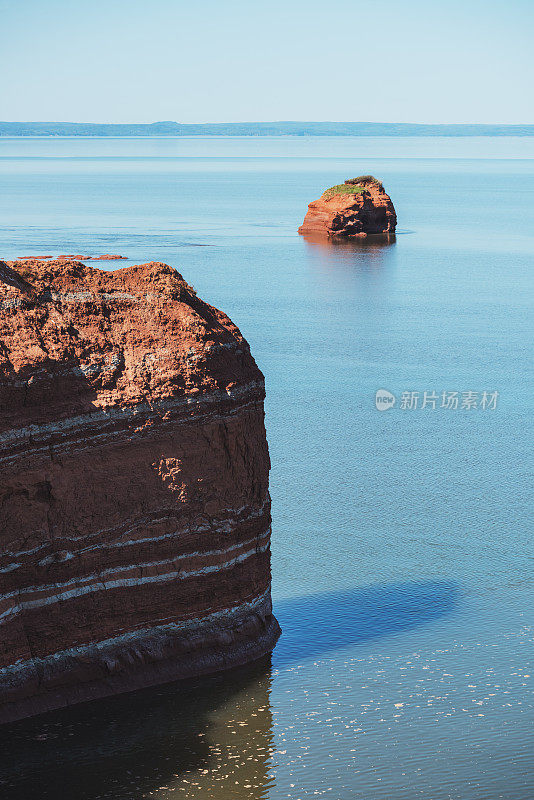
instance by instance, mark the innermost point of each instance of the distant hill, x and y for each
(259, 129)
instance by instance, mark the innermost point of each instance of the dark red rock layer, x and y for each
(134, 505)
(346, 216)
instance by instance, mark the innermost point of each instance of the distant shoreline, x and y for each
(294, 129)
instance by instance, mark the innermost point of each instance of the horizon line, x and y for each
(267, 122)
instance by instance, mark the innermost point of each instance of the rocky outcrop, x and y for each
(134, 504)
(356, 208)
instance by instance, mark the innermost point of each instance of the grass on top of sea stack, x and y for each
(342, 188)
(352, 186)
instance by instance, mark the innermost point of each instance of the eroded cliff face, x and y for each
(355, 209)
(134, 504)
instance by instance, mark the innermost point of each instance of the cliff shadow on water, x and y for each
(317, 624)
(215, 733)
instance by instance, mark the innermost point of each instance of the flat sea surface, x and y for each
(402, 539)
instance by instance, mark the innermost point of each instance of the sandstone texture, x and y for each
(134, 503)
(355, 209)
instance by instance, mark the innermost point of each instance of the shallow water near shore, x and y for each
(402, 555)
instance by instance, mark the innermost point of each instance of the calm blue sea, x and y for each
(402, 540)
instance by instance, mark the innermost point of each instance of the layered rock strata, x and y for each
(134, 504)
(354, 209)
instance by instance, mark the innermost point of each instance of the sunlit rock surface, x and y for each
(134, 513)
(357, 208)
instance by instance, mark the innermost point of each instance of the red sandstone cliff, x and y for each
(134, 505)
(356, 208)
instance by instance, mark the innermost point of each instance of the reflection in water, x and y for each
(206, 738)
(370, 244)
(367, 250)
(209, 738)
(345, 261)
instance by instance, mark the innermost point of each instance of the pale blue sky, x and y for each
(231, 60)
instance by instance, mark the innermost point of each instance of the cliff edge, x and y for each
(134, 504)
(356, 208)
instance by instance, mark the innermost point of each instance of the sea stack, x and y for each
(354, 209)
(135, 511)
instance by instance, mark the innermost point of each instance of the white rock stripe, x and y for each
(117, 414)
(79, 591)
(98, 576)
(227, 526)
(87, 441)
(139, 636)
